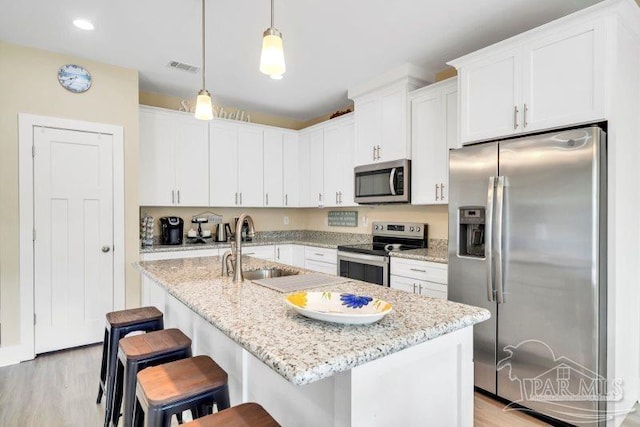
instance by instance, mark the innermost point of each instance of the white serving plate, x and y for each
(339, 307)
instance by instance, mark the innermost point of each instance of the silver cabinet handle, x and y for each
(240, 197)
(278, 253)
(286, 200)
(392, 178)
(249, 253)
(236, 202)
(441, 191)
(524, 120)
(515, 117)
(173, 197)
(178, 196)
(106, 249)
(336, 197)
(418, 270)
(316, 253)
(374, 152)
(414, 288)
(488, 237)
(266, 196)
(378, 150)
(420, 289)
(499, 212)
(319, 198)
(437, 192)
(340, 197)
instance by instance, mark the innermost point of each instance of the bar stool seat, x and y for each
(118, 324)
(244, 415)
(139, 352)
(195, 383)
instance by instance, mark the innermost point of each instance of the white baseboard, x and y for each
(14, 354)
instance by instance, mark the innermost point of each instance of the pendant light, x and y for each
(204, 110)
(272, 57)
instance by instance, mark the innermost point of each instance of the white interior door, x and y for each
(73, 224)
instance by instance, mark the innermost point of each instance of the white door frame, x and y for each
(26, 124)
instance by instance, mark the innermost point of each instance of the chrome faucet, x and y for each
(237, 256)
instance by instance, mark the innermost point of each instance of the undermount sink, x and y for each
(267, 273)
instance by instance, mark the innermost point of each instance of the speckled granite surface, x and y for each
(427, 254)
(299, 349)
(322, 239)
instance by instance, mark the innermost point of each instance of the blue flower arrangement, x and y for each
(355, 301)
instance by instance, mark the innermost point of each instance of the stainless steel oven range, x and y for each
(369, 262)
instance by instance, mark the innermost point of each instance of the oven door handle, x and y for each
(392, 179)
(376, 260)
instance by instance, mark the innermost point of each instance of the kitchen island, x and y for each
(412, 368)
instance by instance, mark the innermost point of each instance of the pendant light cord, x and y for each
(272, 13)
(203, 47)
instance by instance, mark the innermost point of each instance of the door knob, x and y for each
(106, 249)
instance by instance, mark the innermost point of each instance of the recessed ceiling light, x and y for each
(276, 76)
(83, 24)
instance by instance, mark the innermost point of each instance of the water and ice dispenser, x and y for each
(471, 234)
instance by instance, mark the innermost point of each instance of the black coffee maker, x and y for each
(172, 230)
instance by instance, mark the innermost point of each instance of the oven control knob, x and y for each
(410, 228)
(376, 227)
(418, 229)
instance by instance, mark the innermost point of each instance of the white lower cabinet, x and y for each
(419, 277)
(195, 253)
(322, 260)
(265, 252)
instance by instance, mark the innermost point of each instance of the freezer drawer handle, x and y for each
(499, 217)
(488, 231)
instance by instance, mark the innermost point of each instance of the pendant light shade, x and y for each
(272, 57)
(204, 109)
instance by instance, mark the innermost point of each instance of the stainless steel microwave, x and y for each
(385, 182)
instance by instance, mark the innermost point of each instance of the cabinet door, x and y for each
(284, 254)
(490, 97)
(321, 267)
(316, 166)
(156, 170)
(394, 125)
(223, 160)
(403, 283)
(347, 155)
(298, 256)
(291, 164)
(564, 78)
(433, 290)
(428, 165)
(368, 122)
(333, 175)
(250, 184)
(273, 168)
(451, 135)
(191, 157)
(305, 199)
(263, 252)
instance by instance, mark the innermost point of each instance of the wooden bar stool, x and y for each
(138, 352)
(164, 390)
(244, 415)
(119, 324)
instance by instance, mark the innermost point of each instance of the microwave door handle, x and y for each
(392, 179)
(488, 237)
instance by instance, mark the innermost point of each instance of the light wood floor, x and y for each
(59, 389)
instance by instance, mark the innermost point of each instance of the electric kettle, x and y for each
(223, 232)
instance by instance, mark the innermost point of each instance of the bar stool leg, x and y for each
(222, 398)
(114, 338)
(103, 366)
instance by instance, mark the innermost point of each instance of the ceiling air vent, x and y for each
(184, 67)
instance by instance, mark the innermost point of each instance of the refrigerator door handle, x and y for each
(488, 236)
(498, 236)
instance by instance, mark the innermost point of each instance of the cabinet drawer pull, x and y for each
(418, 270)
(249, 253)
(414, 288)
(419, 289)
(515, 117)
(316, 253)
(524, 121)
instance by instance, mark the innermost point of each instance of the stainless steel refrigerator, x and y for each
(527, 241)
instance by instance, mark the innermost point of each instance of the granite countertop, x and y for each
(438, 255)
(303, 350)
(319, 239)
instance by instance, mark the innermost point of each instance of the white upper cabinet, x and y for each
(273, 168)
(174, 159)
(546, 78)
(316, 167)
(236, 165)
(338, 163)
(382, 117)
(291, 170)
(304, 192)
(433, 132)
